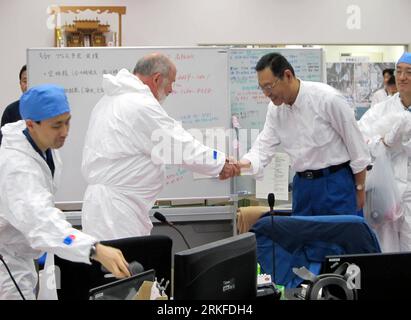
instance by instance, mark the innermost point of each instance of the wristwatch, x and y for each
(93, 250)
(359, 187)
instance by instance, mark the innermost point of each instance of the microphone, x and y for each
(160, 217)
(271, 202)
(134, 267)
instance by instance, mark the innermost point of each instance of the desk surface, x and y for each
(178, 214)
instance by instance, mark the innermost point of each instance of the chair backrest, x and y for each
(153, 252)
(298, 241)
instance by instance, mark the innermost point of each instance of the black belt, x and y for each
(314, 174)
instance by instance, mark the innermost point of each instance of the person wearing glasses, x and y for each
(316, 126)
(389, 123)
(383, 93)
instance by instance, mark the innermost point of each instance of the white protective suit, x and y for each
(29, 222)
(390, 119)
(123, 177)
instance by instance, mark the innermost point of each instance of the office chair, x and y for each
(306, 241)
(153, 252)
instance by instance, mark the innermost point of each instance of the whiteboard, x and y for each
(248, 102)
(200, 100)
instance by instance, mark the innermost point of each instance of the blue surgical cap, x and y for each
(405, 58)
(43, 102)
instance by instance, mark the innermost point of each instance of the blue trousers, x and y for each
(332, 194)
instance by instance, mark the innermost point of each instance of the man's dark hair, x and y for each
(389, 71)
(391, 81)
(277, 63)
(24, 68)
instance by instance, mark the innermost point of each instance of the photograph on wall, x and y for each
(357, 81)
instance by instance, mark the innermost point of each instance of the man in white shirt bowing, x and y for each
(315, 125)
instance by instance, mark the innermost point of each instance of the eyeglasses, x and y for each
(269, 87)
(406, 73)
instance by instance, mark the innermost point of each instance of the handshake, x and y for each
(233, 168)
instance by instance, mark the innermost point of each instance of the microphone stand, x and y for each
(271, 203)
(181, 234)
(160, 217)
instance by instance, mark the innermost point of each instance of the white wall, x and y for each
(23, 24)
(374, 53)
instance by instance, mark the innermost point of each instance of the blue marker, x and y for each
(68, 241)
(215, 155)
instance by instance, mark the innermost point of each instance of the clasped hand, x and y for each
(233, 168)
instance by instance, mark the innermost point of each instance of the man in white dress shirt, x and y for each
(315, 125)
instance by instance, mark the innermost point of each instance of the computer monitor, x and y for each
(124, 289)
(383, 276)
(221, 270)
